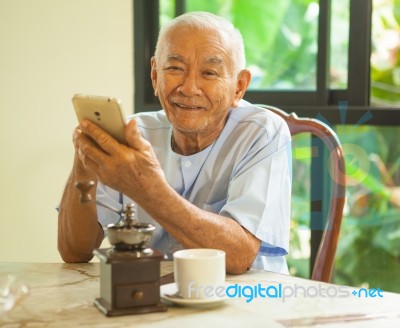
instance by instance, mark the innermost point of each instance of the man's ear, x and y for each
(153, 75)
(242, 83)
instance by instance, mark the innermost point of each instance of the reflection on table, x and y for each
(62, 295)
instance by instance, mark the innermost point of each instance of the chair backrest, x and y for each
(324, 261)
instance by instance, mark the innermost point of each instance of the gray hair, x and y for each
(206, 21)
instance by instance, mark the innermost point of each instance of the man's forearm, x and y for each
(197, 228)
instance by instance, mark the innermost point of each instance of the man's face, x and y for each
(195, 81)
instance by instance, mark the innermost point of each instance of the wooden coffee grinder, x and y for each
(129, 270)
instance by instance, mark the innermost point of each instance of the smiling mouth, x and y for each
(188, 107)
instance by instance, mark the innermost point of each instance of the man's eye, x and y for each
(210, 73)
(174, 68)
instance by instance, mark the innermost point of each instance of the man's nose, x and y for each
(190, 86)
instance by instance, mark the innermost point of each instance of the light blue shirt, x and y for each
(244, 175)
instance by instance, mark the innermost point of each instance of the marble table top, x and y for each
(62, 295)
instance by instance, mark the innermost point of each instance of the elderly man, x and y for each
(210, 170)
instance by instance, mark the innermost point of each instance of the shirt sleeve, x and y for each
(260, 193)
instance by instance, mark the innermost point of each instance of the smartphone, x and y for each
(104, 111)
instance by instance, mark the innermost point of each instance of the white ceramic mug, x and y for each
(199, 272)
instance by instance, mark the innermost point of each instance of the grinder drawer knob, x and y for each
(137, 295)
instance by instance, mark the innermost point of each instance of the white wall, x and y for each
(50, 49)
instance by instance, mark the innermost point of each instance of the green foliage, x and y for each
(385, 61)
(212, 6)
(369, 254)
(369, 246)
(253, 15)
(396, 10)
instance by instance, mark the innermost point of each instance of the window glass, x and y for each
(339, 43)
(167, 10)
(369, 244)
(385, 57)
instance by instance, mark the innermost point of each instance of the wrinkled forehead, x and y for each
(183, 40)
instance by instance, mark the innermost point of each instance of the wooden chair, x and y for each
(324, 260)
